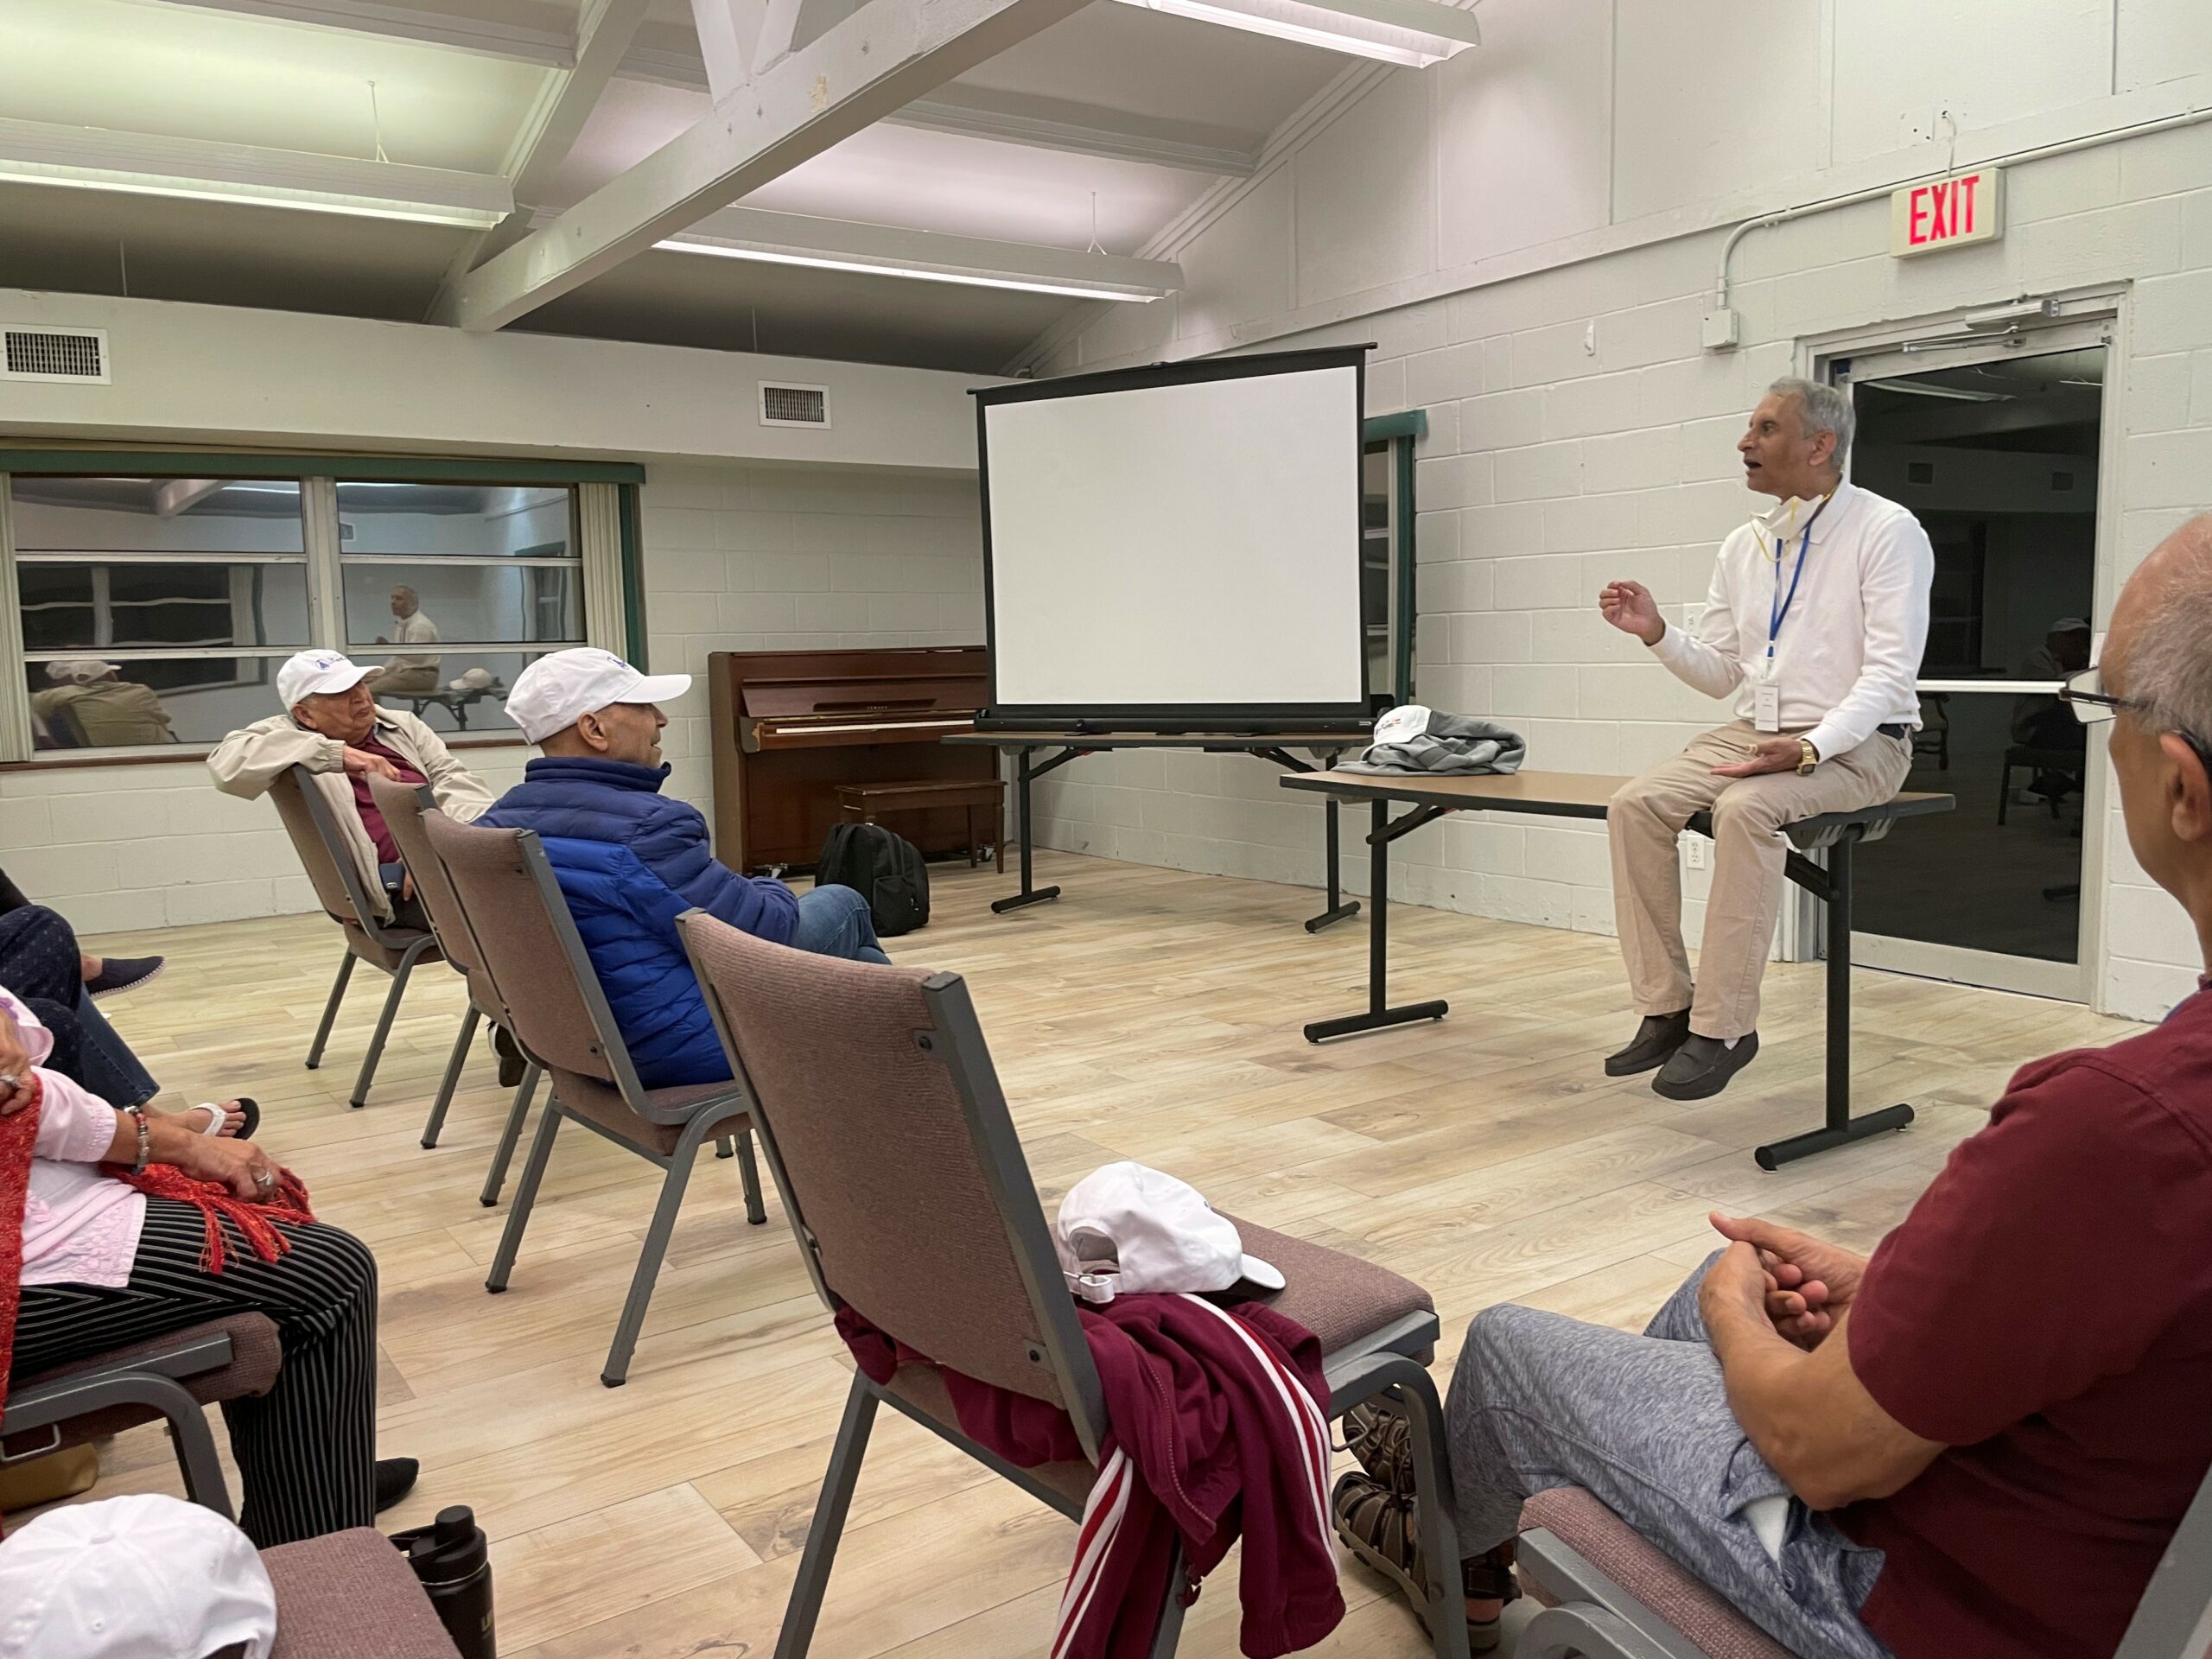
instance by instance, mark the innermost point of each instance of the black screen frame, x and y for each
(1239, 718)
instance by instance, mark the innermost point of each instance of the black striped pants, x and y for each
(306, 1450)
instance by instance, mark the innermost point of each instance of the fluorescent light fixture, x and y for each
(1414, 32)
(195, 169)
(923, 255)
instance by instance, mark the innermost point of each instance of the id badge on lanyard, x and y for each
(1766, 681)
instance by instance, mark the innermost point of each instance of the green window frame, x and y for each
(1387, 549)
(604, 507)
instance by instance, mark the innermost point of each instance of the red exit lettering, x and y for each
(1939, 213)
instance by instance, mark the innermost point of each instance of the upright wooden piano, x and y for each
(790, 726)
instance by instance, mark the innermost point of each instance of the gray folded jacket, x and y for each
(1451, 743)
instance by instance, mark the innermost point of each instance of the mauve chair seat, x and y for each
(378, 955)
(351, 1595)
(1339, 1297)
(921, 1387)
(256, 1358)
(603, 1104)
(1646, 1573)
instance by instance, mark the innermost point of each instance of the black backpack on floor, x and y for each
(884, 868)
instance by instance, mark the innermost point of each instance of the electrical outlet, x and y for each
(1693, 617)
(1693, 851)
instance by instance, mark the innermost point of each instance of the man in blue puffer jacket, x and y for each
(630, 861)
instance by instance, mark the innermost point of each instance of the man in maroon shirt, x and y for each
(1977, 1444)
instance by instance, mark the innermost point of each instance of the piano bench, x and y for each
(867, 802)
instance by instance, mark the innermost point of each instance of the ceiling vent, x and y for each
(788, 405)
(53, 355)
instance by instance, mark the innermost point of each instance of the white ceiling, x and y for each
(1160, 109)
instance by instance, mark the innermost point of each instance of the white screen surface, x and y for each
(1178, 545)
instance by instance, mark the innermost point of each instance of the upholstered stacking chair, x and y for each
(166, 1379)
(337, 884)
(560, 1019)
(883, 1125)
(402, 806)
(351, 1595)
(1610, 1593)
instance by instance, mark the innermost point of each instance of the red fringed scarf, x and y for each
(254, 1219)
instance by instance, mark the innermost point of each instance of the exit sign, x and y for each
(1947, 212)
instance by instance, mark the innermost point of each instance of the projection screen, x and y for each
(1176, 545)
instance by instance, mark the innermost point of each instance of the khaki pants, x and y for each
(1749, 854)
(404, 682)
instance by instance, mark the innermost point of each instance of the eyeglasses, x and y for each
(2085, 693)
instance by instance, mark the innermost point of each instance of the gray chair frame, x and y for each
(436, 894)
(151, 1381)
(696, 1120)
(1382, 1364)
(1596, 1618)
(412, 946)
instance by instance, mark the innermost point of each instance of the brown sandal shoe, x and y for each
(1377, 1525)
(1382, 1441)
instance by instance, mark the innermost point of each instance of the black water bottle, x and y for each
(452, 1558)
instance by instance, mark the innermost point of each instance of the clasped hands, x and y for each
(1796, 1282)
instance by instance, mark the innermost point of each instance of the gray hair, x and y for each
(2168, 663)
(401, 587)
(1822, 408)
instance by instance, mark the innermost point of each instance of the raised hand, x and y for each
(1629, 607)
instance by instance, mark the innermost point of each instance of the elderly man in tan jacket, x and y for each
(335, 728)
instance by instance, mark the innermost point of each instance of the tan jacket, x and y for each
(251, 759)
(107, 711)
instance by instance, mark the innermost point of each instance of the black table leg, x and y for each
(1842, 1127)
(1030, 893)
(1339, 906)
(1380, 1015)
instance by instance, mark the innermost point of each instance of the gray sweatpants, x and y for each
(1540, 1401)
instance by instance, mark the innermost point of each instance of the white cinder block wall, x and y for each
(799, 559)
(1522, 232)
(736, 558)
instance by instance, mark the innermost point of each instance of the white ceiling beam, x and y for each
(38, 152)
(881, 58)
(728, 32)
(846, 244)
(501, 39)
(549, 132)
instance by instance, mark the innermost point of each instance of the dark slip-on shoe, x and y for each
(1655, 1044)
(1702, 1067)
(122, 974)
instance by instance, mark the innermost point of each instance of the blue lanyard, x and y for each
(1778, 612)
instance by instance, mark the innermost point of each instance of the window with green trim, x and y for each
(153, 608)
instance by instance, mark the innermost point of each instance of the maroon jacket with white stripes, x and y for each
(1214, 1431)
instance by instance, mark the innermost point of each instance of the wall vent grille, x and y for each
(53, 355)
(788, 405)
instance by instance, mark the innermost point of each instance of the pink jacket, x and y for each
(80, 1225)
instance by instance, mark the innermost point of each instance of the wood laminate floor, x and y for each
(1148, 1015)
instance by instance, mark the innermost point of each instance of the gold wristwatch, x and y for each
(1808, 757)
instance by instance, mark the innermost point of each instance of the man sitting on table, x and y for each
(630, 859)
(1814, 626)
(336, 728)
(1977, 1444)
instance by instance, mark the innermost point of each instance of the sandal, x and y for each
(249, 1117)
(1377, 1525)
(1382, 1441)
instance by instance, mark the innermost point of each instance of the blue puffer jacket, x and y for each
(631, 861)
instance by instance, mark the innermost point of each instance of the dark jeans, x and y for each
(39, 963)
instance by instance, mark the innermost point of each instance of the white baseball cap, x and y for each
(553, 692)
(316, 673)
(1137, 1230)
(141, 1577)
(77, 671)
